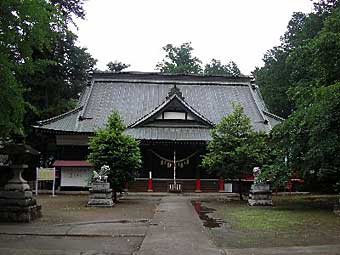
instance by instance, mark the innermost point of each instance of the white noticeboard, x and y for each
(45, 174)
(228, 187)
(75, 177)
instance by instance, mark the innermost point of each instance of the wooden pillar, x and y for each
(198, 185)
(221, 185)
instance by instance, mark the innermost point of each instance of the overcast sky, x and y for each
(134, 31)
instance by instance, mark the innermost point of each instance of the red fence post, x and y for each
(221, 185)
(150, 188)
(198, 185)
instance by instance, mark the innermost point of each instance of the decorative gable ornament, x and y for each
(175, 91)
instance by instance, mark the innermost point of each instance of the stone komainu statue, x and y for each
(102, 175)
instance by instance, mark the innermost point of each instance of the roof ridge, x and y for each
(87, 100)
(265, 120)
(58, 117)
(178, 82)
(160, 127)
(99, 72)
(273, 115)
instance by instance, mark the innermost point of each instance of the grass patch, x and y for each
(263, 219)
(290, 212)
(292, 221)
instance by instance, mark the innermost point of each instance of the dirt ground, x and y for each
(72, 208)
(292, 221)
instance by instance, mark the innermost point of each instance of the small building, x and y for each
(170, 114)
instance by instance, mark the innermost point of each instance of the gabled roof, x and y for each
(139, 96)
(163, 106)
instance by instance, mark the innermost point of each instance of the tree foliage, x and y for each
(179, 60)
(116, 66)
(60, 81)
(306, 90)
(110, 146)
(215, 67)
(24, 27)
(42, 69)
(235, 148)
(310, 140)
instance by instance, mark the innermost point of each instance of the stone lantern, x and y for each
(16, 199)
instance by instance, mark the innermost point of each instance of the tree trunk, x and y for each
(240, 190)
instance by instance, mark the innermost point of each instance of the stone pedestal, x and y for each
(100, 195)
(260, 194)
(16, 200)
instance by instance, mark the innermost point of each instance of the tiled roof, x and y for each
(170, 133)
(67, 122)
(137, 95)
(72, 163)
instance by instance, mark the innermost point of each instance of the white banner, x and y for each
(75, 176)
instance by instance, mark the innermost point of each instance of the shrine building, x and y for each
(170, 114)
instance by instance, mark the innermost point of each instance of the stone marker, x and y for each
(260, 193)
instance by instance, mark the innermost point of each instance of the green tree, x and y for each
(310, 74)
(179, 60)
(274, 83)
(110, 146)
(215, 67)
(310, 140)
(42, 71)
(70, 9)
(235, 148)
(287, 69)
(116, 66)
(24, 26)
(55, 88)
